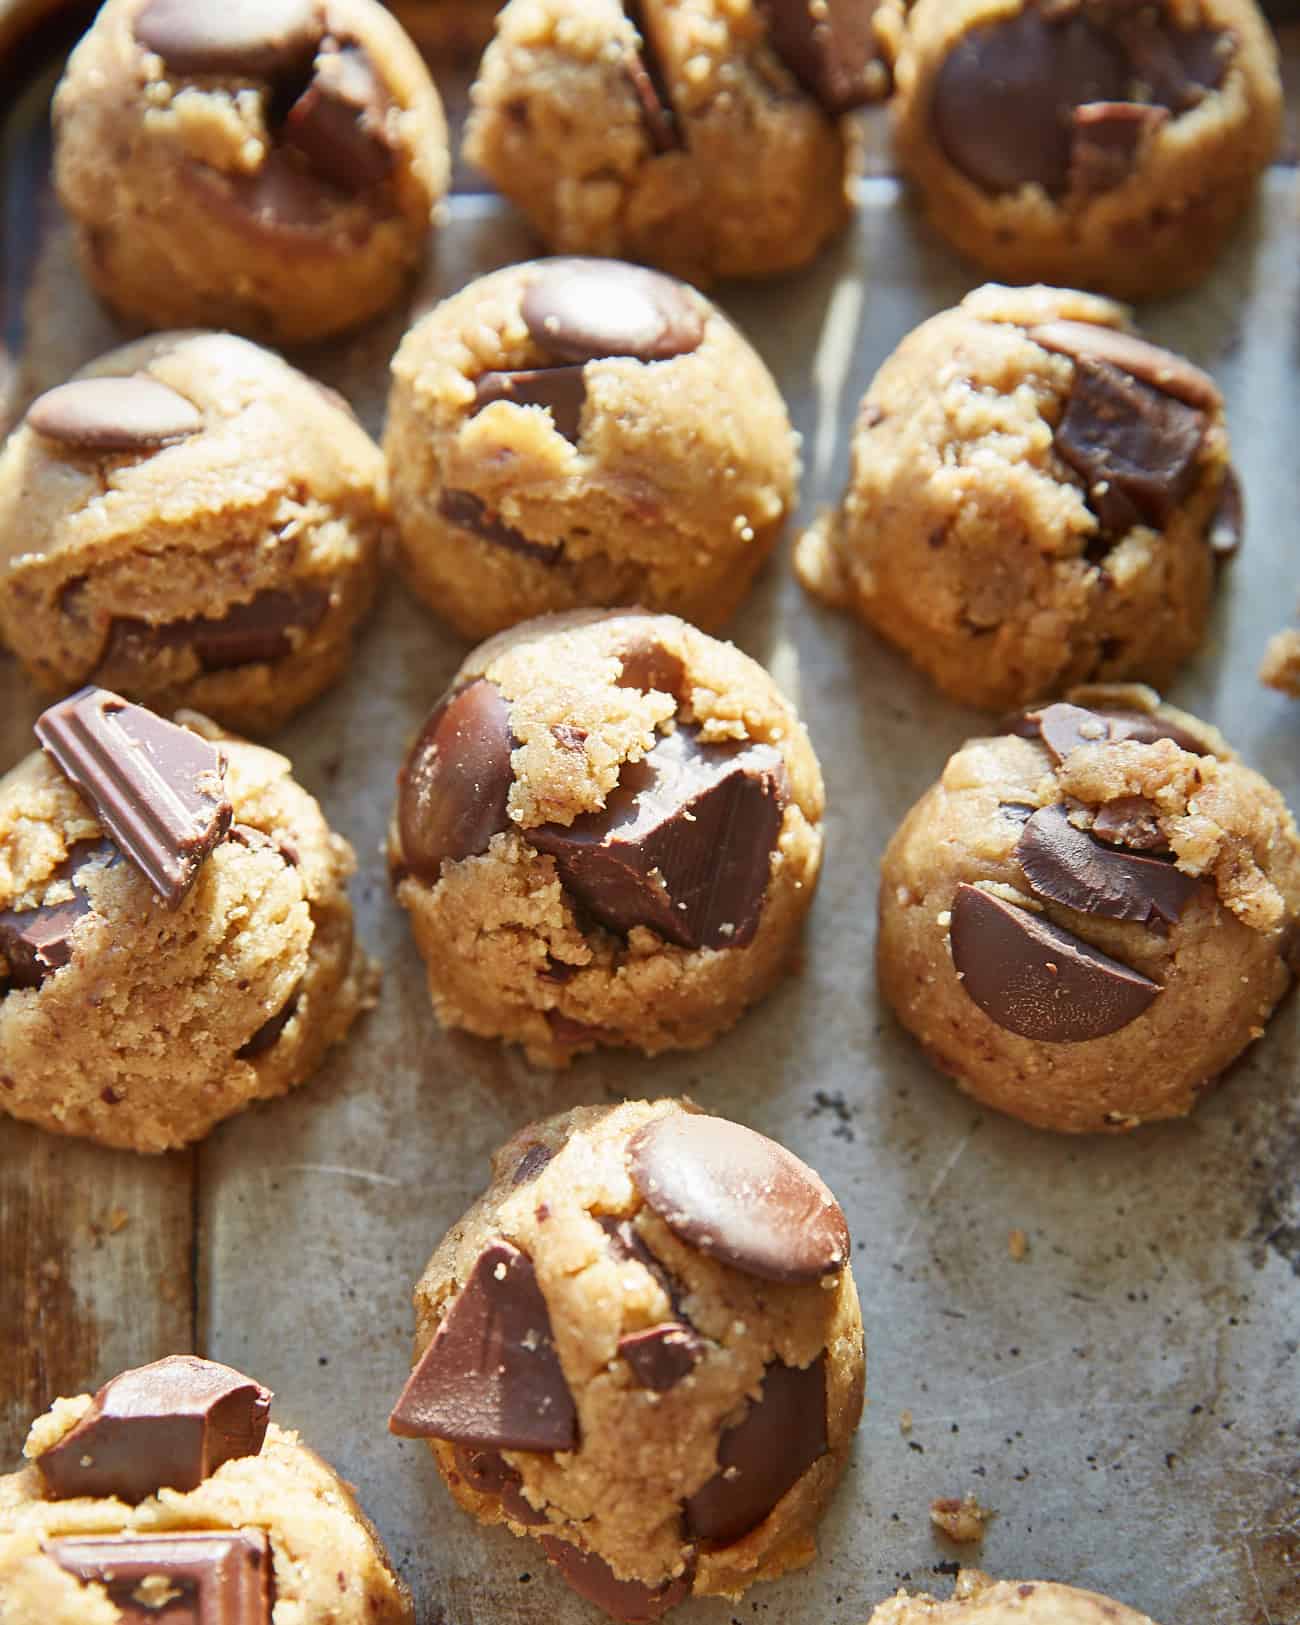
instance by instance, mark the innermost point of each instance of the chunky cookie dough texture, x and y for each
(190, 521)
(1092, 914)
(1037, 498)
(607, 832)
(642, 1346)
(1281, 668)
(703, 136)
(1095, 143)
(170, 1486)
(175, 933)
(583, 432)
(271, 166)
(978, 1600)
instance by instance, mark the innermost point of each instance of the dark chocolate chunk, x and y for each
(631, 1601)
(339, 123)
(1175, 67)
(490, 1473)
(1227, 527)
(1036, 980)
(644, 69)
(662, 1356)
(257, 39)
(1131, 821)
(219, 1577)
(463, 508)
(830, 46)
(268, 1034)
(35, 942)
(132, 414)
(586, 310)
(491, 1378)
(453, 788)
(169, 1425)
(560, 390)
(683, 844)
(264, 629)
(739, 1197)
(531, 1164)
(765, 1455)
(647, 665)
(1063, 728)
(1162, 369)
(1107, 141)
(158, 789)
(1066, 865)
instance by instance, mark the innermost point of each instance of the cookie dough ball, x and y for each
(1037, 498)
(271, 166)
(642, 1347)
(700, 135)
(190, 521)
(171, 1482)
(175, 933)
(1281, 669)
(607, 832)
(977, 1600)
(577, 432)
(1091, 915)
(1095, 143)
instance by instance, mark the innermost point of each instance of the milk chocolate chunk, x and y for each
(465, 509)
(648, 666)
(1176, 67)
(490, 1473)
(1227, 527)
(35, 942)
(560, 390)
(662, 1356)
(739, 1197)
(830, 47)
(1107, 142)
(582, 310)
(257, 39)
(1162, 369)
(683, 844)
(631, 1601)
(644, 69)
(132, 414)
(1066, 865)
(264, 629)
(531, 1164)
(169, 1425)
(1036, 980)
(1064, 728)
(219, 1577)
(1131, 821)
(491, 1378)
(765, 1455)
(157, 788)
(338, 124)
(453, 788)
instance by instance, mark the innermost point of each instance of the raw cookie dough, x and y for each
(170, 1483)
(151, 985)
(270, 166)
(1281, 668)
(575, 873)
(699, 135)
(1094, 143)
(977, 1600)
(1092, 914)
(1037, 498)
(190, 522)
(642, 1346)
(575, 432)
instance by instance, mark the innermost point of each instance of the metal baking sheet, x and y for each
(1126, 1396)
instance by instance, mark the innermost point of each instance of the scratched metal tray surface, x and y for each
(1126, 1396)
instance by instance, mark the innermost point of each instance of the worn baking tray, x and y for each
(1125, 1396)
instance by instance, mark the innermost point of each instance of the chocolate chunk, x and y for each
(266, 628)
(1003, 98)
(586, 310)
(1136, 448)
(560, 390)
(1108, 138)
(268, 1034)
(1175, 67)
(531, 1164)
(1066, 865)
(1131, 821)
(648, 666)
(1162, 369)
(683, 844)
(662, 1356)
(132, 414)
(739, 1197)
(281, 198)
(1036, 980)
(158, 789)
(765, 1455)
(1064, 728)
(339, 123)
(1227, 527)
(255, 39)
(631, 1601)
(491, 1377)
(169, 1425)
(452, 791)
(219, 1577)
(644, 69)
(488, 1472)
(463, 508)
(830, 46)
(35, 942)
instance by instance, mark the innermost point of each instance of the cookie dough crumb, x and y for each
(1281, 668)
(961, 1521)
(904, 1421)
(118, 1219)
(1017, 1245)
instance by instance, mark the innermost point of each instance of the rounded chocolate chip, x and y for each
(257, 38)
(114, 414)
(452, 791)
(584, 310)
(739, 1197)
